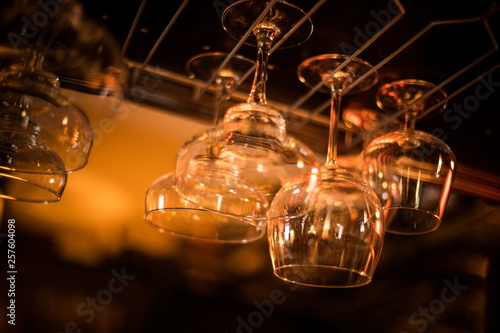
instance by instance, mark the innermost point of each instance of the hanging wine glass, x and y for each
(84, 56)
(411, 171)
(326, 226)
(64, 128)
(251, 155)
(83, 70)
(204, 66)
(29, 170)
(166, 209)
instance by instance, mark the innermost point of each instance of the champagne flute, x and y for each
(411, 171)
(326, 226)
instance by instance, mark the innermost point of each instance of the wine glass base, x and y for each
(202, 184)
(322, 276)
(393, 95)
(240, 16)
(410, 221)
(316, 69)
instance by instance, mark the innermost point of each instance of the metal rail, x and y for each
(314, 113)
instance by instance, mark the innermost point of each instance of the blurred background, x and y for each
(90, 263)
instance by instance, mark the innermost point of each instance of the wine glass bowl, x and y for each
(169, 212)
(411, 171)
(36, 96)
(29, 170)
(202, 176)
(326, 226)
(255, 121)
(246, 172)
(326, 229)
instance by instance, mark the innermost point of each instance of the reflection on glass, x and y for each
(326, 226)
(411, 171)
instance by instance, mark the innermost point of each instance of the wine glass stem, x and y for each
(336, 97)
(410, 119)
(265, 37)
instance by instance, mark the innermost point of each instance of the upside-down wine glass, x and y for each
(411, 171)
(29, 170)
(237, 169)
(66, 67)
(203, 66)
(36, 126)
(165, 208)
(326, 226)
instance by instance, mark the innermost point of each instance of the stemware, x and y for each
(41, 136)
(326, 226)
(411, 171)
(29, 170)
(204, 66)
(251, 154)
(64, 127)
(170, 212)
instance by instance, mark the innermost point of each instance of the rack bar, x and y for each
(132, 28)
(160, 39)
(235, 49)
(360, 137)
(314, 89)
